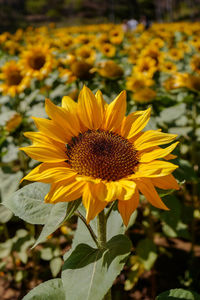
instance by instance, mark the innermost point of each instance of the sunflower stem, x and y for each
(101, 236)
(109, 210)
(101, 229)
(93, 235)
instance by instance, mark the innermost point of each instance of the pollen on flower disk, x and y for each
(102, 154)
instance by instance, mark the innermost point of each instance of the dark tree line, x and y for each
(20, 13)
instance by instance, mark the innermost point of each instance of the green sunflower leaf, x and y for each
(54, 221)
(49, 290)
(89, 266)
(176, 294)
(59, 213)
(28, 203)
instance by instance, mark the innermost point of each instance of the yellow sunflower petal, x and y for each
(62, 192)
(92, 205)
(146, 187)
(62, 118)
(89, 109)
(155, 168)
(45, 153)
(114, 190)
(115, 113)
(51, 130)
(126, 208)
(128, 186)
(101, 103)
(157, 153)
(51, 172)
(40, 139)
(69, 104)
(37, 137)
(170, 156)
(166, 182)
(152, 138)
(139, 123)
(128, 121)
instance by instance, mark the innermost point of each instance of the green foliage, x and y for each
(55, 218)
(178, 294)
(146, 250)
(9, 184)
(51, 290)
(89, 266)
(5, 214)
(28, 203)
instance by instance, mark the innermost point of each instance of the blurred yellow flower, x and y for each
(144, 95)
(14, 122)
(13, 82)
(109, 69)
(37, 61)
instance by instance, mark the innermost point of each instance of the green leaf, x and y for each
(55, 219)
(90, 266)
(55, 265)
(5, 248)
(72, 207)
(47, 253)
(146, 250)
(115, 228)
(5, 214)
(49, 290)
(181, 131)
(60, 212)
(185, 171)
(176, 294)
(28, 203)
(9, 184)
(59, 91)
(21, 243)
(172, 113)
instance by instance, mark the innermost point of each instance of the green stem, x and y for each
(101, 236)
(88, 227)
(110, 210)
(101, 229)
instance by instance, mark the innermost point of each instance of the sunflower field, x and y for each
(55, 72)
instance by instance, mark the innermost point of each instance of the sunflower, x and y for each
(178, 80)
(92, 150)
(145, 66)
(37, 61)
(108, 50)
(157, 42)
(168, 67)
(13, 122)
(193, 83)
(195, 63)
(109, 69)
(135, 83)
(13, 82)
(86, 53)
(116, 36)
(154, 53)
(144, 95)
(176, 54)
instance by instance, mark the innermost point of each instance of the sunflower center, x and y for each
(102, 154)
(14, 78)
(37, 62)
